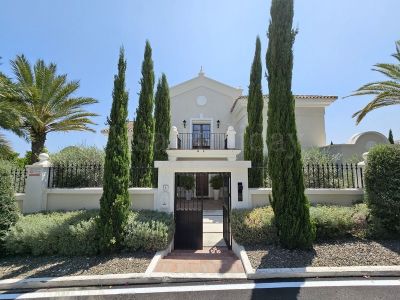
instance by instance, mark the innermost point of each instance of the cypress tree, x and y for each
(253, 139)
(290, 205)
(114, 203)
(390, 137)
(162, 118)
(143, 129)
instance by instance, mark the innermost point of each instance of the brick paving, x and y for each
(207, 260)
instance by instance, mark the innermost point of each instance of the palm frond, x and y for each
(22, 70)
(386, 92)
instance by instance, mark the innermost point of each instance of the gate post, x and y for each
(36, 185)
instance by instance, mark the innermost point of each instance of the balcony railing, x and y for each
(213, 141)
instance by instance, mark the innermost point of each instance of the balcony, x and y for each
(202, 145)
(202, 141)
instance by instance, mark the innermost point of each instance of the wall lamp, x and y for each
(218, 122)
(184, 123)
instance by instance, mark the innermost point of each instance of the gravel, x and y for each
(349, 252)
(54, 266)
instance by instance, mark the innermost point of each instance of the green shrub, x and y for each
(382, 179)
(8, 206)
(254, 226)
(69, 233)
(257, 226)
(77, 233)
(148, 231)
(78, 155)
(339, 221)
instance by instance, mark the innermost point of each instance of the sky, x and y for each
(338, 43)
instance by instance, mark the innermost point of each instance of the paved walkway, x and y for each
(213, 229)
(208, 260)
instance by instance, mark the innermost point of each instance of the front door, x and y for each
(201, 135)
(201, 185)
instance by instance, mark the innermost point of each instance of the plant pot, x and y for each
(188, 195)
(216, 194)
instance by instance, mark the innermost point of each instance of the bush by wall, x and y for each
(148, 231)
(382, 179)
(253, 226)
(339, 221)
(8, 206)
(77, 233)
(257, 226)
(78, 155)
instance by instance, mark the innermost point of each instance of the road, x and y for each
(337, 288)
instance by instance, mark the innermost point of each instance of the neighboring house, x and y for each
(357, 145)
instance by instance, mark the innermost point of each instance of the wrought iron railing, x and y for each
(326, 176)
(18, 177)
(90, 175)
(214, 141)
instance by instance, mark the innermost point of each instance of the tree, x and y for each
(8, 206)
(114, 203)
(44, 102)
(253, 139)
(290, 205)
(9, 117)
(386, 92)
(162, 118)
(162, 122)
(143, 130)
(390, 137)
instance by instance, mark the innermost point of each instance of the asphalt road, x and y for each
(337, 288)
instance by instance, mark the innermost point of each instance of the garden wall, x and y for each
(345, 197)
(88, 198)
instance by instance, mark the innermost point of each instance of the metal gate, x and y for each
(226, 210)
(188, 208)
(188, 213)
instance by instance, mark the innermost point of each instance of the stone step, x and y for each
(213, 219)
(202, 256)
(205, 250)
(213, 227)
(199, 266)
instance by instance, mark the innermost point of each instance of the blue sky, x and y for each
(337, 44)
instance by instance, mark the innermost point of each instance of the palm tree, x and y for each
(43, 100)
(386, 92)
(9, 117)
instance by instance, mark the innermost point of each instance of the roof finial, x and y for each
(201, 73)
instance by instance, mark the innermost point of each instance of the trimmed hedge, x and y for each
(77, 233)
(8, 206)
(257, 226)
(382, 179)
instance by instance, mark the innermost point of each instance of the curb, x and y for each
(311, 272)
(308, 272)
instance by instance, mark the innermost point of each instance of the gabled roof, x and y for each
(317, 99)
(203, 81)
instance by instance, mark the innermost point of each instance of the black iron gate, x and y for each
(188, 213)
(226, 210)
(189, 204)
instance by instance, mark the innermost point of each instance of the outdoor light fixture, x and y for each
(184, 123)
(218, 122)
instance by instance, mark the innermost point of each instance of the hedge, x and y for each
(76, 233)
(382, 179)
(8, 206)
(256, 226)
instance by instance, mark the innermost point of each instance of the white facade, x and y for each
(204, 100)
(208, 121)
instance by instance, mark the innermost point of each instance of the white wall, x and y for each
(89, 198)
(344, 197)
